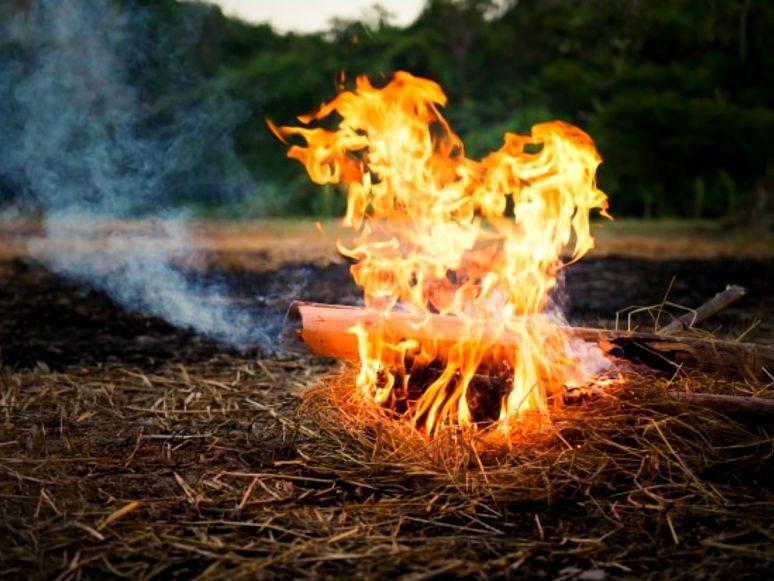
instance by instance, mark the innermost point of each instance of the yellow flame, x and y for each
(441, 234)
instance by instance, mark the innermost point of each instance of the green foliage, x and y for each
(681, 149)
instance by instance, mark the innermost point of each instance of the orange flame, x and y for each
(438, 233)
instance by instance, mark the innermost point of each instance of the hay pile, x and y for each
(222, 468)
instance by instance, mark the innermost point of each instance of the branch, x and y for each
(324, 329)
(713, 306)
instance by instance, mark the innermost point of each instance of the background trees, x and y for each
(677, 94)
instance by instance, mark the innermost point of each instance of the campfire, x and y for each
(458, 261)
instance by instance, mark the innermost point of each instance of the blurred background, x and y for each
(677, 94)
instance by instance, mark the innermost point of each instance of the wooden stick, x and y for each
(729, 404)
(325, 329)
(720, 301)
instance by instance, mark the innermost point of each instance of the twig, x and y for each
(720, 301)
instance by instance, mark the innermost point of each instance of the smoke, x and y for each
(104, 119)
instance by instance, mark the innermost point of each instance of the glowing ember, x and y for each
(441, 234)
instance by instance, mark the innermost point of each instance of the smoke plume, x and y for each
(104, 120)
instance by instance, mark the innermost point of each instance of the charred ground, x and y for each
(60, 322)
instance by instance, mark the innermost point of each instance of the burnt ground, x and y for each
(46, 318)
(130, 447)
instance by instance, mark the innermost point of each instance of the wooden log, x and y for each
(670, 353)
(720, 301)
(324, 329)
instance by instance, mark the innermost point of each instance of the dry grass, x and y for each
(215, 470)
(262, 244)
(679, 240)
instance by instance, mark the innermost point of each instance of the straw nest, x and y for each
(237, 467)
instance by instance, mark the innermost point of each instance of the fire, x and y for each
(439, 235)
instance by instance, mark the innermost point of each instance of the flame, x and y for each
(440, 234)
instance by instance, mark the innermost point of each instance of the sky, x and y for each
(314, 15)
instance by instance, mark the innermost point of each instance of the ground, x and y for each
(130, 447)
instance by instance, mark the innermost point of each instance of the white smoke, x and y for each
(80, 137)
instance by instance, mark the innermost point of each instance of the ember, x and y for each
(438, 233)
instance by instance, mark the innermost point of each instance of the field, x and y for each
(129, 447)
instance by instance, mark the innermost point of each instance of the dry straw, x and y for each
(213, 469)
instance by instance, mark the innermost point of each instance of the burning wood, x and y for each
(326, 331)
(457, 259)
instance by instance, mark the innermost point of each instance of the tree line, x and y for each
(677, 94)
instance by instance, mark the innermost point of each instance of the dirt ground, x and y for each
(130, 447)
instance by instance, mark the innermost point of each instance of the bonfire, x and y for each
(458, 261)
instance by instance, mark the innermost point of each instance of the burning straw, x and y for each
(634, 436)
